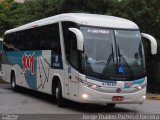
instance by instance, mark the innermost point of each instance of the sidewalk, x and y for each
(153, 96)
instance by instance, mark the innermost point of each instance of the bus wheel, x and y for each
(111, 105)
(13, 82)
(59, 97)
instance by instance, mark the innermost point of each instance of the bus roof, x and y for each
(83, 19)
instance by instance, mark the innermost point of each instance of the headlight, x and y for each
(140, 87)
(88, 84)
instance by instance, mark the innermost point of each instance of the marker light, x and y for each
(84, 96)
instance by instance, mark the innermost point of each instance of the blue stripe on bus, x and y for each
(97, 79)
(127, 84)
(19, 58)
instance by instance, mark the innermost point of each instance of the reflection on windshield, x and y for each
(112, 52)
(130, 51)
(99, 50)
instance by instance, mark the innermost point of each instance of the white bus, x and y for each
(86, 58)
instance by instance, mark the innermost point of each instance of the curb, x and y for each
(153, 97)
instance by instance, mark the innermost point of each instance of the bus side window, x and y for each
(48, 38)
(73, 53)
(54, 41)
(6, 43)
(70, 44)
(9, 42)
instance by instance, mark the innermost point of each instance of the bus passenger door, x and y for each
(72, 83)
(71, 72)
(72, 58)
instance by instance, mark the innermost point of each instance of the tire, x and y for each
(59, 98)
(13, 82)
(111, 105)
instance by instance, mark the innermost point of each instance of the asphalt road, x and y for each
(29, 102)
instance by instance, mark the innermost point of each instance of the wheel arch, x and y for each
(13, 72)
(56, 78)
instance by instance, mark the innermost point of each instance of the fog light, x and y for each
(84, 96)
(144, 97)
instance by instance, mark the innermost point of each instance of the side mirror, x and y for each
(79, 36)
(153, 42)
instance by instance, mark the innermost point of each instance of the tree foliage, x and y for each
(143, 12)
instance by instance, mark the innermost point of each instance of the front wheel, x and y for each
(111, 105)
(59, 97)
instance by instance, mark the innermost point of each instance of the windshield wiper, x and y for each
(111, 56)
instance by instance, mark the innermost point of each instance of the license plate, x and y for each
(117, 98)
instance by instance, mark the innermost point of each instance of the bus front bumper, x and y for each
(88, 95)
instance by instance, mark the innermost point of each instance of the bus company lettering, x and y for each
(28, 63)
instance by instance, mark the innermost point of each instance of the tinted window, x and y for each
(41, 38)
(70, 43)
(9, 40)
(48, 38)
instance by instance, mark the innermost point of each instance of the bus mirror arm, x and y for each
(79, 36)
(153, 42)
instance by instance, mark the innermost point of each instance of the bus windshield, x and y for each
(110, 52)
